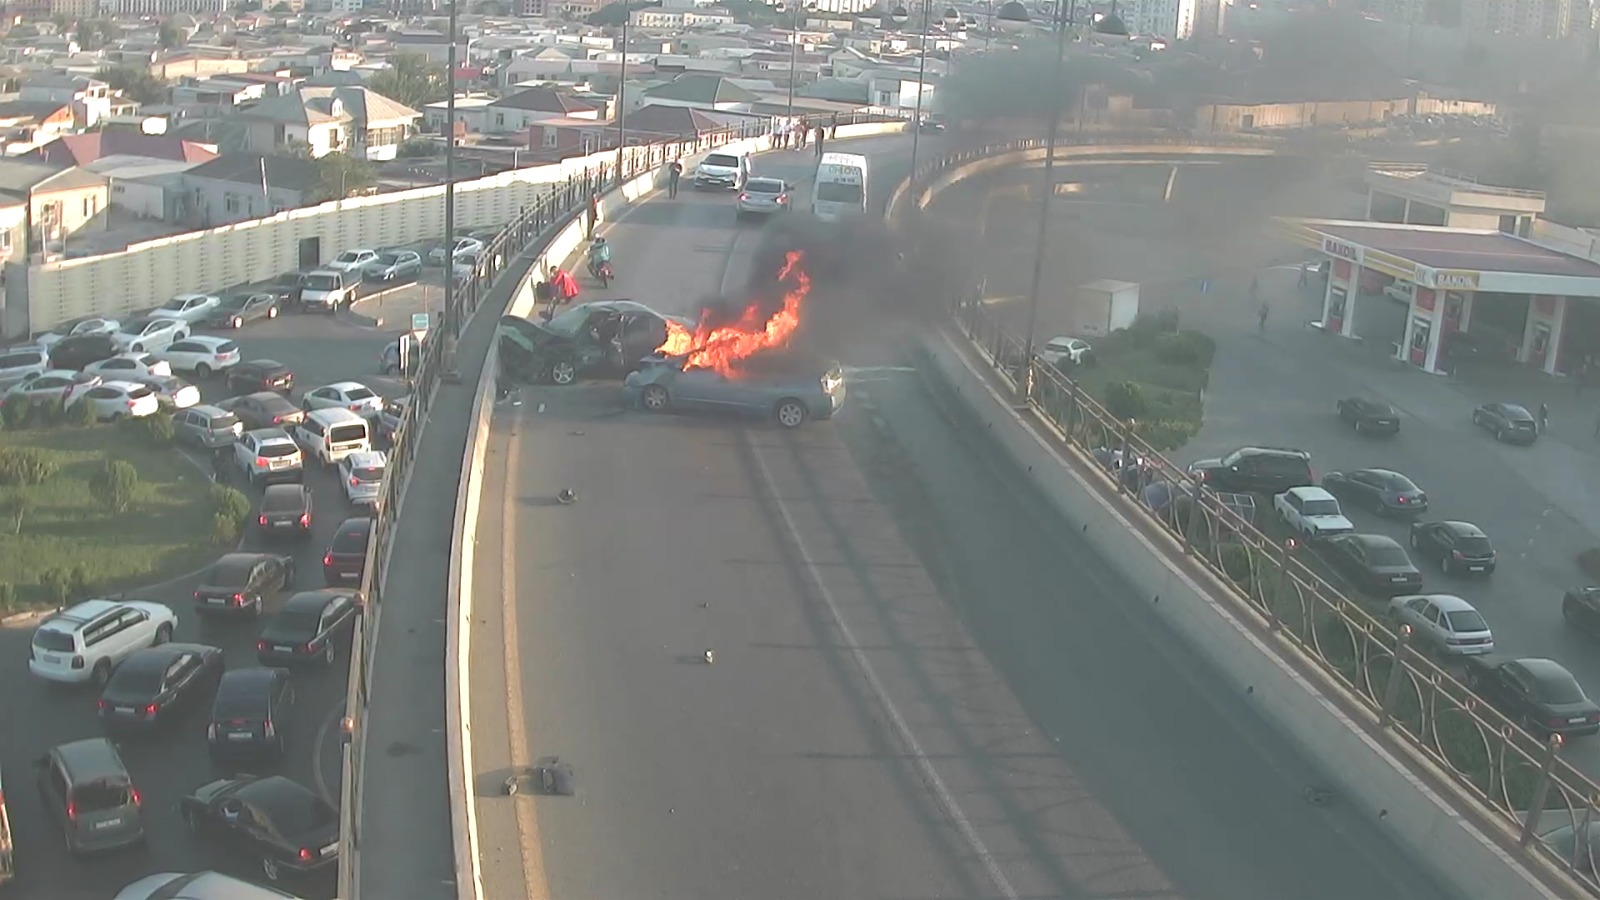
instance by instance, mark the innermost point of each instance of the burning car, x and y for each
(790, 391)
(607, 337)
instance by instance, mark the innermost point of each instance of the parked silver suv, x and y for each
(90, 794)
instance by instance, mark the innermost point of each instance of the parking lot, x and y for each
(35, 716)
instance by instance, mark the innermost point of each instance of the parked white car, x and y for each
(351, 395)
(61, 384)
(120, 400)
(1400, 292)
(129, 365)
(1063, 351)
(1445, 623)
(362, 474)
(1311, 512)
(464, 247)
(201, 354)
(150, 334)
(189, 308)
(19, 363)
(85, 642)
(87, 326)
(172, 392)
(352, 260)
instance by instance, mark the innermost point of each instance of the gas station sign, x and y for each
(1341, 250)
(1455, 279)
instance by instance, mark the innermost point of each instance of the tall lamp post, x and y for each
(452, 315)
(622, 90)
(900, 14)
(798, 7)
(1014, 14)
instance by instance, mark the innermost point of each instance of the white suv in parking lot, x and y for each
(85, 642)
(201, 354)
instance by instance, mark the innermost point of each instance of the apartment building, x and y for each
(1525, 18)
(1170, 19)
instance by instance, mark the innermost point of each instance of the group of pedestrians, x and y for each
(795, 133)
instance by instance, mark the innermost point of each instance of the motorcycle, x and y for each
(601, 271)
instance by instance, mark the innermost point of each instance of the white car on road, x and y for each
(87, 326)
(189, 308)
(172, 392)
(1311, 512)
(61, 384)
(351, 395)
(362, 473)
(1445, 623)
(352, 260)
(201, 354)
(120, 400)
(85, 642)
(150, 334)
(128, 365)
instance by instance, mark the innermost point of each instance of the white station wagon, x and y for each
(85, 642)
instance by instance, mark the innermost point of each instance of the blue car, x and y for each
(789, 394)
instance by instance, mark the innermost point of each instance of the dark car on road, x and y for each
(1580, 608)
(87, 790)
(80, 350)
(1465, 347)
(346, 559)
(1256, 470)
(1368, 416)
(251, 714)
(1508, 422)
(1384, 491)
(1375, 563)
(241, 583)
(788, 394)
(1539, 693)
(286, 511)
(156, 684)
(261, 375)
(606, 338)
(1458, 547)
(239, 310)
(280, 823)
(263, 409)
(310, 627)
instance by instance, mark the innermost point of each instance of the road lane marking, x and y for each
(533, 873)
(923, 762)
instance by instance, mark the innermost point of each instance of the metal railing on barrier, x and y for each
(525, 233)
(1519, 780)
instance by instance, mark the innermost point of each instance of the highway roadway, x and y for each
(924, 685)
(35, 716)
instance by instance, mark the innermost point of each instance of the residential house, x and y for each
(515, 112)
(26, 124)
(561, 137)
(57, 201)
(472, 115)
(195, 64)
(354, 120)
(677, 19)
(84, 149)
(660, 122)
(243, 186)
(13, 228)
(222, 94)
(431, 45)
(90, 99)
(702, 92)
(156, 8)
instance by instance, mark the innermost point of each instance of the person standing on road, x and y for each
(820, 135)
(674, 172)
(833, 130)
(221, 458)
(1544, 417)
(1261, 318)
(803, 132)
(594, 215)
(1305, 274)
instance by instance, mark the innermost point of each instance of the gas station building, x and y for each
(1474, 265)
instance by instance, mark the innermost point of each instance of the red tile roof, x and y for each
(82, 149)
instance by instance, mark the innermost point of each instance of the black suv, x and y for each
(1259, 470)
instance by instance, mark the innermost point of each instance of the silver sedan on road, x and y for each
(787, 394)
(763, 197)
(394, 265)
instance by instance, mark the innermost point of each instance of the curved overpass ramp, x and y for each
(925, 685)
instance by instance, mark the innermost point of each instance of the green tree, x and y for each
(19, 507)
(115, 485)
(169, 36)
(410, 80)
(340, 175)
(137, 83)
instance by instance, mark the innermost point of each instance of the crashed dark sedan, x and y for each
(606, 338)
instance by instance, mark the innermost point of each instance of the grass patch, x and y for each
(1153, 374)
(62, 537)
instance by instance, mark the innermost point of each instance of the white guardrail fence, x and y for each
(551, 229)
(1495, 809)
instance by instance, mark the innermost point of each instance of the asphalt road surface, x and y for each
(35, 716)
(923, 683)
(1279, 387)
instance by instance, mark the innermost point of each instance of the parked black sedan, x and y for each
(79, 350)
(1375, 563)
(158, 683)
(1384, 491)
(280, 822)
(1539, 693)
(251, 714)
(1369, 416)
(261, 375)
(310, 627)
(1580, 608)
(238, 310)
(241, 583)
(1458, 547)
(263, 409)
(1508, 422)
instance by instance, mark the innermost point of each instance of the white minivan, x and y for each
(332, 434)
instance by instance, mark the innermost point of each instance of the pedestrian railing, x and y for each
(1520, 781)
(527, 232)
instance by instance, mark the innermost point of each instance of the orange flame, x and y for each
(721, 348)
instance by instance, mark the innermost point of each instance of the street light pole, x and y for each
(451, 314)
(794, 49)
(1049, 190)
(622, 89)
(922, 84)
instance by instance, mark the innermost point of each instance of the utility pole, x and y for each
(452, 315)
(622, 87)
(1062, 23)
